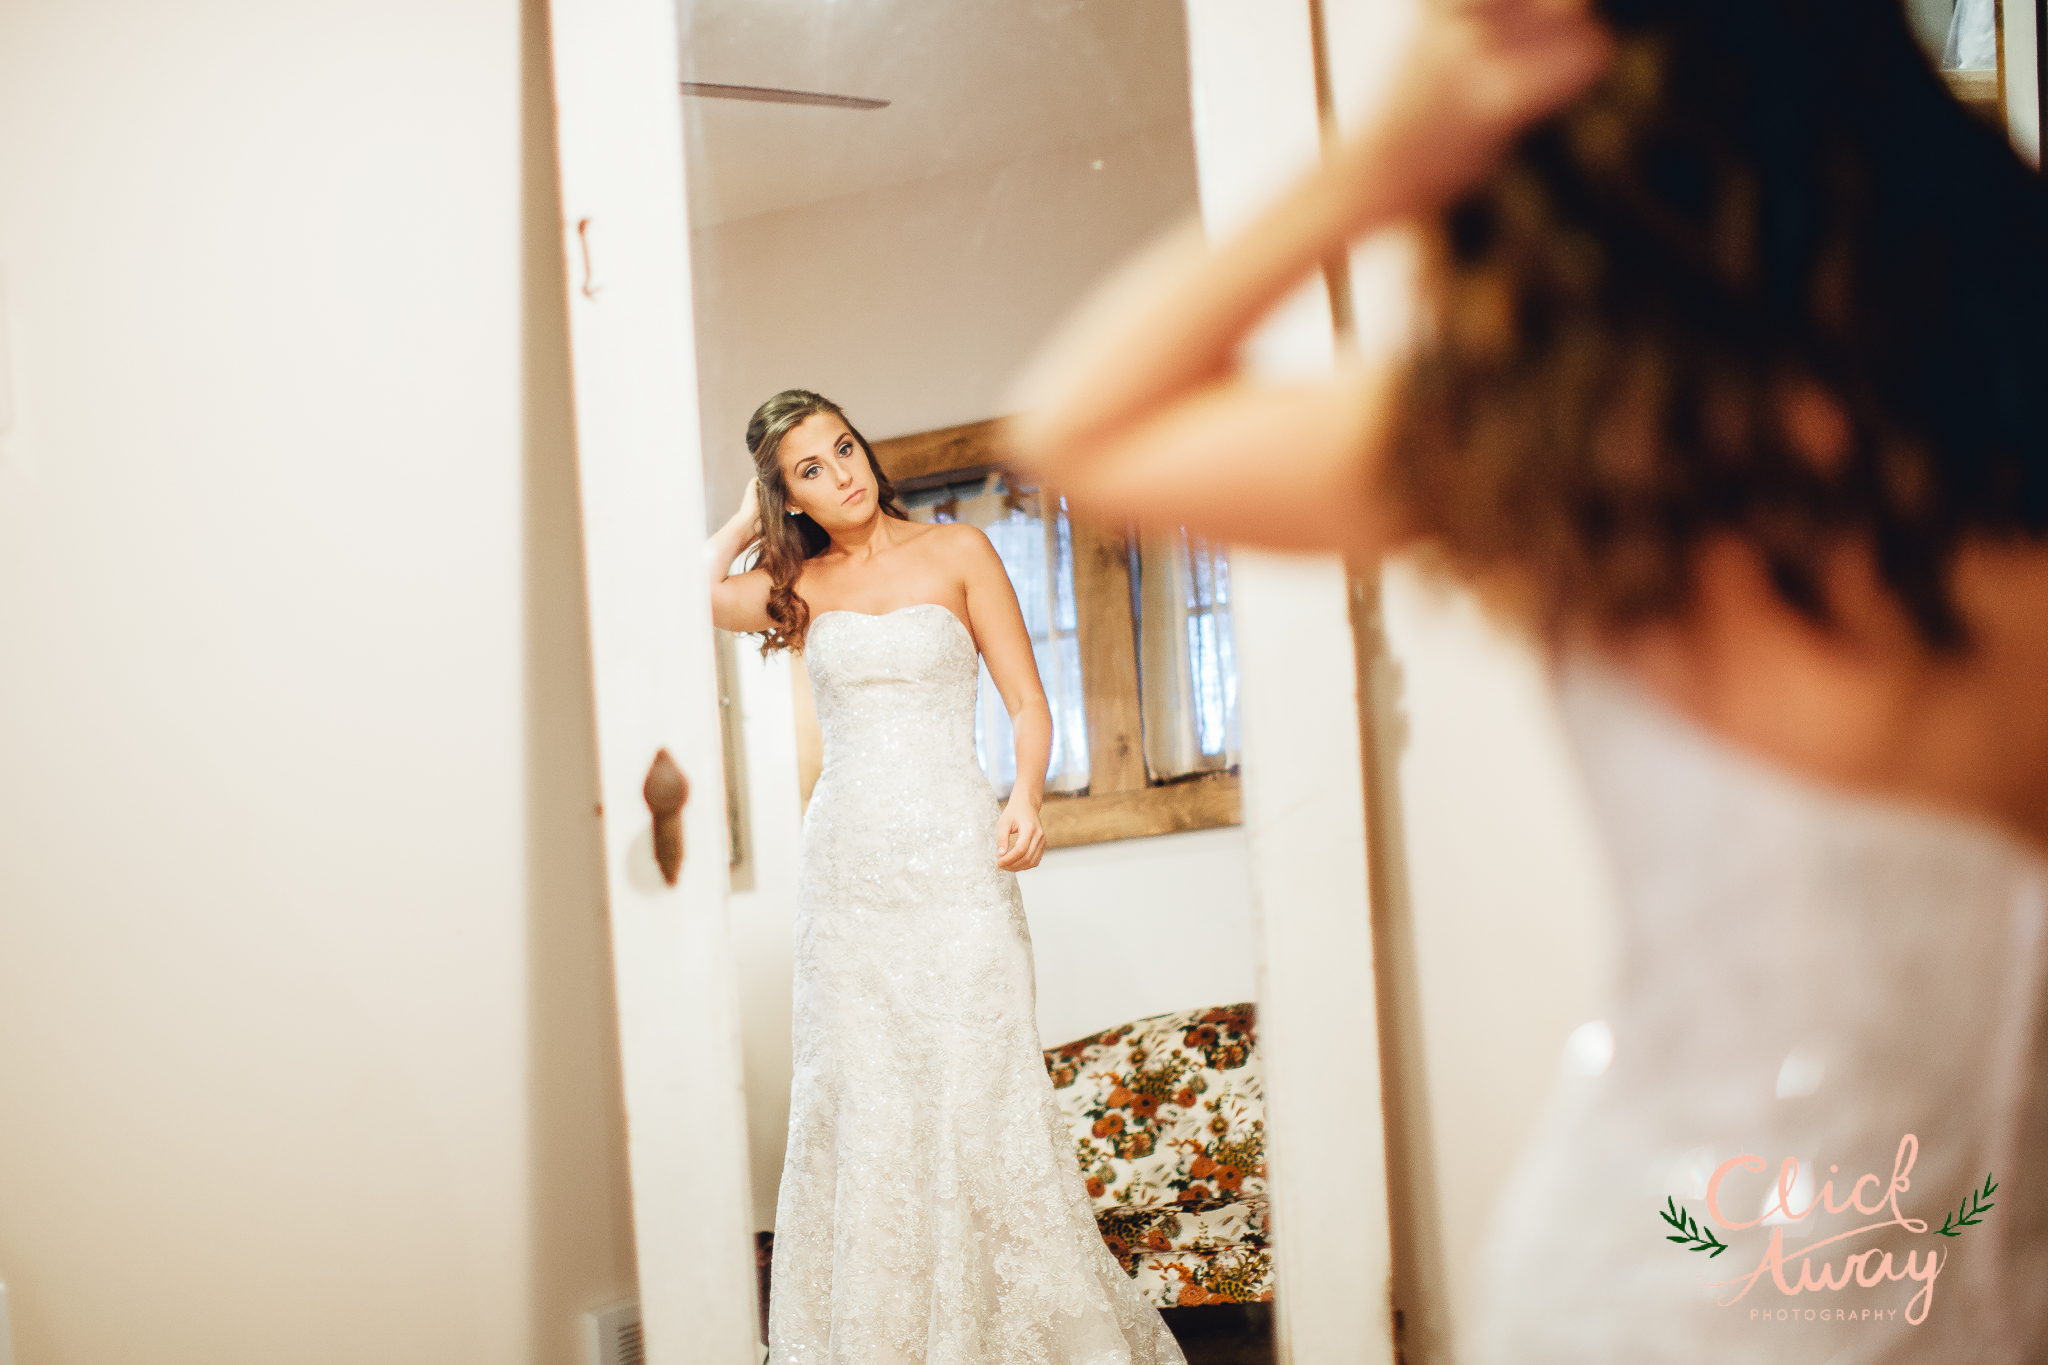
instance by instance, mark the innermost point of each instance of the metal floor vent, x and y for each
(613, 1334)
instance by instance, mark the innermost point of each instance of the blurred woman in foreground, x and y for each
(1730, 380)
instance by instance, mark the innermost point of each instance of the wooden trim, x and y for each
(973, 472)
(1109, 658)
(1979, 91)
(1202, 803)
(976, 445)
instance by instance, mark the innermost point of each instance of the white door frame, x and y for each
(1258, 126)
(625, 237)
(626, 240)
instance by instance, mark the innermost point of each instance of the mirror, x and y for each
(893, 205)
(1145, 924)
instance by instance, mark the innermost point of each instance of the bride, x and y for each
(931, 1208)
(1726, 385)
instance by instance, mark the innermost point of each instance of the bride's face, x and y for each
(827, 473)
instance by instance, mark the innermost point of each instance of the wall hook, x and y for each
(667, 791)
(583, 235)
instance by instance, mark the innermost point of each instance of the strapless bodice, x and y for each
(894, 692)
(1802, 975)
(900, 794)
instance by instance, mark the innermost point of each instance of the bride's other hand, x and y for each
(1478, 72)
(1020, 838)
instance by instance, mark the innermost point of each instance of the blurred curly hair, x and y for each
(1762, 201)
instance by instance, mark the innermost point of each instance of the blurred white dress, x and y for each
(932, 1210)
(1802, 974)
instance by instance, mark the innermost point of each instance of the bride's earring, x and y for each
(792, 511)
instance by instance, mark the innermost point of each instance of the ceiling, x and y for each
(970, 83)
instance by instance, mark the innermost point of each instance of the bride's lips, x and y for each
(856, 493)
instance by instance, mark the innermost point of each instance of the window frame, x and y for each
(1121, 801)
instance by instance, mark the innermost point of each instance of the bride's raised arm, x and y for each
(738, 601)
(998, 626)
(1136, 410)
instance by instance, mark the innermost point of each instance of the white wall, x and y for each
(1502, 919)
(306, 1044)
(763, 909)
(913, 306)
(1930, 19)
(1139, 927)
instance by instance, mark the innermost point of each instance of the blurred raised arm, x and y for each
(1137, 411)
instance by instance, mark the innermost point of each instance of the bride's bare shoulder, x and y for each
(953, 543)
(966, 556)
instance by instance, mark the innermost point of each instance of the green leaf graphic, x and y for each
(1970, 1212)
(1689, 1234)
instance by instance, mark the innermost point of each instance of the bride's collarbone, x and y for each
(929, 575)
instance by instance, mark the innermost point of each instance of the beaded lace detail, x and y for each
(931, 1210)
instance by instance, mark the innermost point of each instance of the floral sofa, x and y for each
(1169, 1122)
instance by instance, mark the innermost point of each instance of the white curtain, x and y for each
(1038, 552)
(1187, 656)
(1972, 37)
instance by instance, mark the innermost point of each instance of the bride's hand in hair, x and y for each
(741, 532)
(1477, 73)
(1137, 409)
(738, 601)
(749, 515)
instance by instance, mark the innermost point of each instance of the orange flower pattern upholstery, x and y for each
(1168, 1117)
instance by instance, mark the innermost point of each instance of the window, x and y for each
(1035, 540)
(1134, 643)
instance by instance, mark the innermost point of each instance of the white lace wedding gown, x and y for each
(1802, 974)
(931, 1209)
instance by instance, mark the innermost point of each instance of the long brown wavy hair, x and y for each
(1763, 201)
(788, 541)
